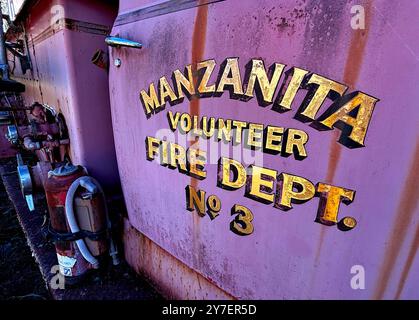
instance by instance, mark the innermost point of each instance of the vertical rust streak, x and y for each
(403, 218)
(350, 76)
(334, 157)
(410, 258)
(198, 49)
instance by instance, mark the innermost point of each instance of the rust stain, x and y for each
(198, 49)
(146, 257)
(410, 257)
(406, 207)
(350, 76)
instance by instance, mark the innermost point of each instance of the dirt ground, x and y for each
(20, 278)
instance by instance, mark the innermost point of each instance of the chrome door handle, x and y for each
(120, 42)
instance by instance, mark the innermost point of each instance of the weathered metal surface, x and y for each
(152, 11)
(63, 37)
(170, 276)
(287, 255)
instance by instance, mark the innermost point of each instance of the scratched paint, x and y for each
(282, 258)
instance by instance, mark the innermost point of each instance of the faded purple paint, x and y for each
(278, 259)
(64, 77)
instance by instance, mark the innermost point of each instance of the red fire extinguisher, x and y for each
(79, 222)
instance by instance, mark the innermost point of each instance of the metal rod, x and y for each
(120, 42)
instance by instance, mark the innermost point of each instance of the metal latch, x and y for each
(120, 42)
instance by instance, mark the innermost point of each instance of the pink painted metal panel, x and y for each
(288, 255)
(64, 77)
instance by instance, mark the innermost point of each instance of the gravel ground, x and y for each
(20, 278)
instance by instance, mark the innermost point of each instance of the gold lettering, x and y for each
(208, 132)
(203, 87)
(149, 100)
(195, 200)
(197, 161)
(273, 138)
(224, 130)
(242, 224)
(166, 91)
(330, 198)
(183, 82)
(152, 147)
(225, 166)
(231, 66)
(185, 123)
(239, 126)
(173, 121)
(255, 135)
(359, 123)
(295, 143)
(177, 157)
(326, 87)
(292, 189)
(260, 183)
(267, 87)
(291, 86)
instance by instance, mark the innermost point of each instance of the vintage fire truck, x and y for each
(263, 149)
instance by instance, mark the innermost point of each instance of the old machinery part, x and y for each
(43, 132)
(72, 264)
(93, 187)
(71, 218)
(79, 219)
